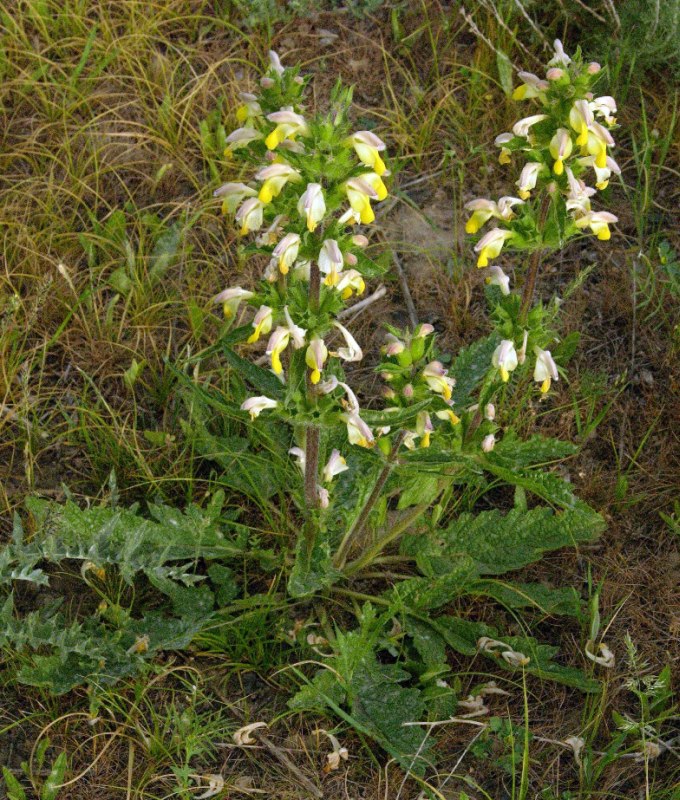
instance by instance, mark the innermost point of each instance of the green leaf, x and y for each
(15, 791)
(425, 594)
(420, 488)
(383, 707)
(546, 599)
(377, 418)
(499, 543)
(312, 571)
(505, 72)
(430, 645)
(513, 453)
(261, 379)
(52, 785)
(547, 485)
(470, 367)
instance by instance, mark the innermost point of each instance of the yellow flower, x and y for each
(483, 210)
(560, 148)
(315, 358)
(286, 251)
(278, 342)
(545, 370)
(250, 215)
(312, 205)
(532, 86)
(598, 222)
(505, 359)
(491, 244)
(288, 126)
(360, 193)
(275, 177)
(262, 323)
(367, 146)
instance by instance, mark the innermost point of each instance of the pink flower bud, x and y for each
(554, 74)
(360, 240)
(593, 68)
(266, 83)
(407, 391)
(351, 259)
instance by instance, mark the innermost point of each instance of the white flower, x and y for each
(522, 352)
(233, 193)
(256, 405)
(288, 125)
(269, 236)
(606, 657)
(335, 465)
(560, 56)
(275, 177)
(312, 205)
(299, 453)
(367, 146)
(437, 379)
(297, 334)
(505, 358)
(578, 198)
(560, 148)
(277, 343)
(491, 244)
(500, 141)
(330, 261)
(262, 323)
(249, 109)
(545, 370)
(497, 277)
(275, 62)
(242, 735)
(490, 412)
(350, 281)
(240, 138)
(605, 106)
(352, 351)
(286, 252)
(531, 86)
(231, 299)
(528, 177)
(521, 128)
(315, 358)
(483, 209)
(598, 222)
(250, 215)
(358, 431)
(488, 443)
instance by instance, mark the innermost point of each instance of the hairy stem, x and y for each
(312, 434)
(394, 533)
(359, 523)
(534, 263)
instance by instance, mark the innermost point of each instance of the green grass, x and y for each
(112, 250)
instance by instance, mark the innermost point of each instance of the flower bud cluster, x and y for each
(568, 140)
(415, 377)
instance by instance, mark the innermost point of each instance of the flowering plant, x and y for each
(411, 472)
(564, 145)
(315, 182)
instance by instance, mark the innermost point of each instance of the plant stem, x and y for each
(534, 263)
(312, 433)
(381, 544)
(359, 523)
